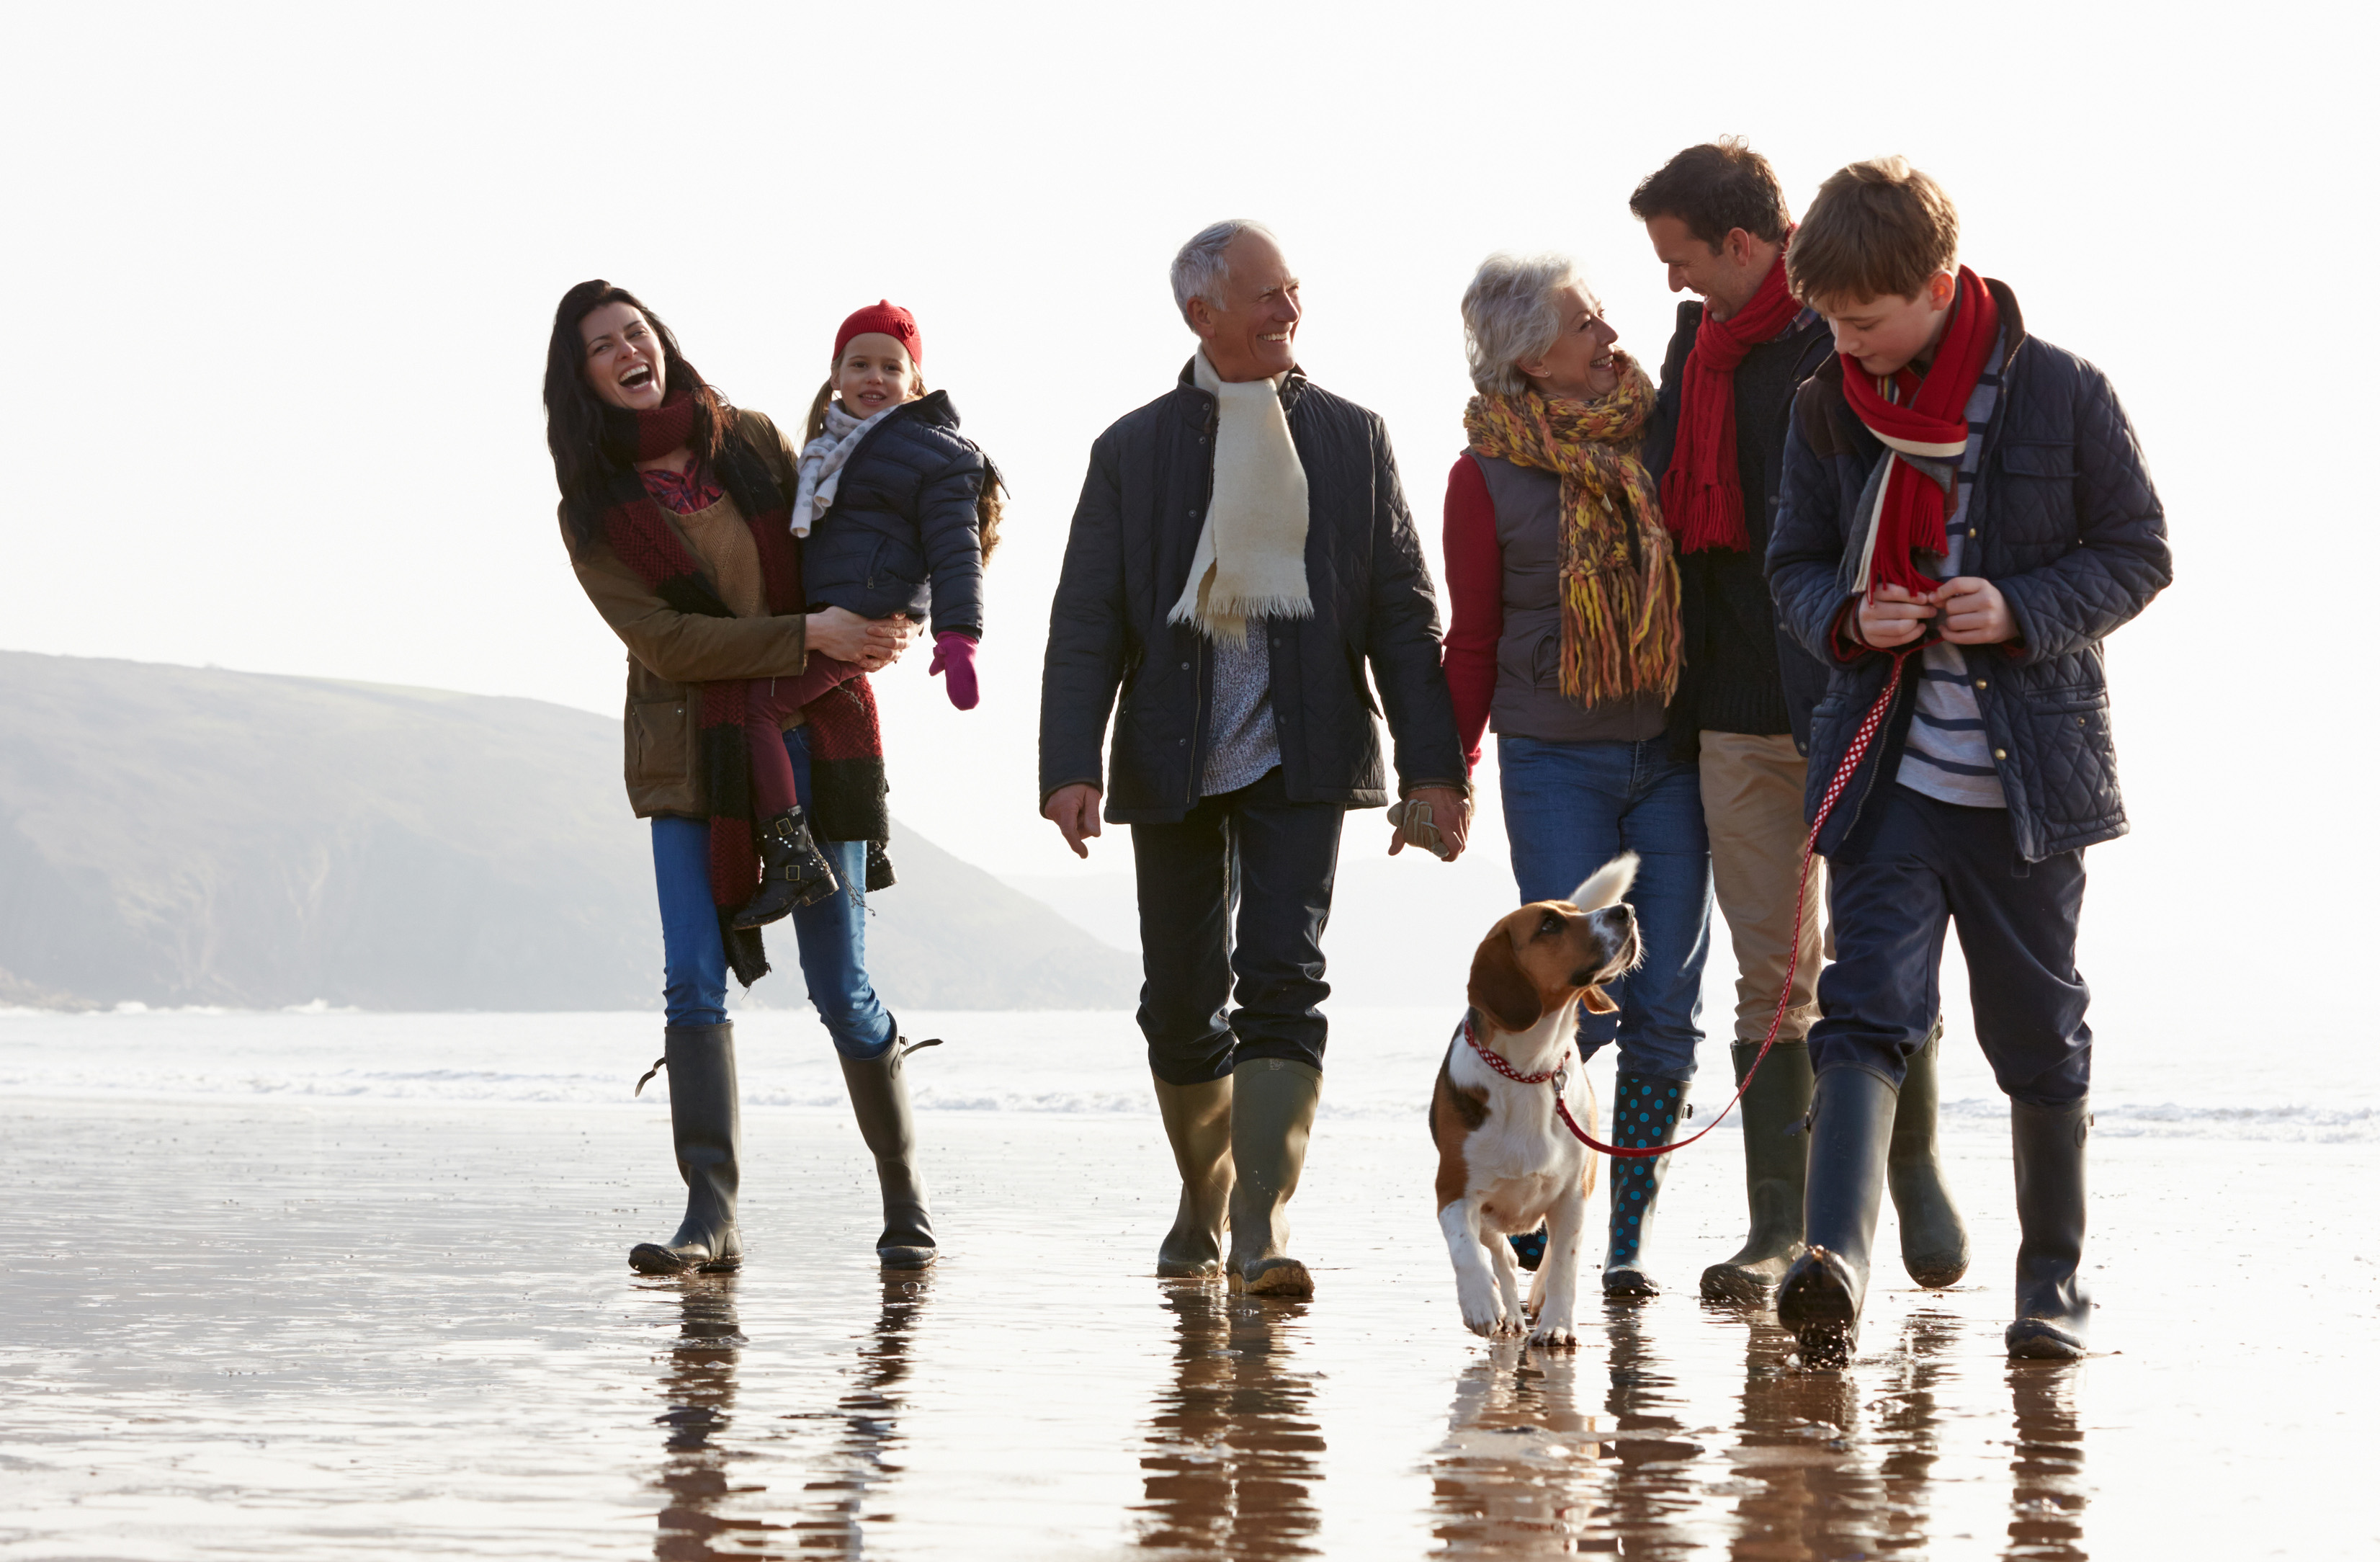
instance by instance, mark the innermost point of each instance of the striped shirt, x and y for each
(1948, 755)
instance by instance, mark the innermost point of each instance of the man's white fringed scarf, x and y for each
(1251, 558)
(823, 460)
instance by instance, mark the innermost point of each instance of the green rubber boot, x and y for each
(1776, 1159)
(1933, 1238)
(2053, 1310)
(1272, 1114)
(1199, 1125)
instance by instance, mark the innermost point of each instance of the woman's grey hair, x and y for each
(1198, 268)
(1508, 315)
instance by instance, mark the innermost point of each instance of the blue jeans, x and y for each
(831, 933)
(1570, 808)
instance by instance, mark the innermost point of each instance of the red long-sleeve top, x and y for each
(1474, 591)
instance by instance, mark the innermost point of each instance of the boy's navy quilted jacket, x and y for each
(2066, 523)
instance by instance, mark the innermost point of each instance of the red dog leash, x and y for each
(1869, 726)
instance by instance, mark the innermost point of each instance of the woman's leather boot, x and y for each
(1199, 1125)
(793, 871)
(1643, 1111)
(705, 1124)
(1851, 1130)
(1933, 1238)
(1273, 1115)
(1776, 1157)
(880, 1099)
(2053, 1311)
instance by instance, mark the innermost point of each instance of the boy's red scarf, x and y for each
(846, 749)
(1929, 419)
(1702, 494)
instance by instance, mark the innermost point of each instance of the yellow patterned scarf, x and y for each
(1620, 634)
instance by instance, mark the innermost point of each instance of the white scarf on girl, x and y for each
(823, 460)
(1251, 558)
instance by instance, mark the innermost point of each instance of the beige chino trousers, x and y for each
(1752, 804)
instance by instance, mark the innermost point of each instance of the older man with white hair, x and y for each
(1241, 550)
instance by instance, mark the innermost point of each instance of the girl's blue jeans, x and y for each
(831, 934)
(1570, 808)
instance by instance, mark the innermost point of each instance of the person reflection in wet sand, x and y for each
(699, 1388)
(1827, 1485)
(1516, 1473)
(2046, 1506)
(1230, 1465)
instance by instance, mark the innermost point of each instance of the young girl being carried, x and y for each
(899, 512)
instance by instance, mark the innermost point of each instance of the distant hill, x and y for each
(173, 835)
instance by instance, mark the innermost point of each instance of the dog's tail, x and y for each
(1606, 883)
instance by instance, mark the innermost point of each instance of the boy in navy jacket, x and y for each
(1964, 511)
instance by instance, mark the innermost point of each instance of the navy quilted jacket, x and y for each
(2066, 525)
(1114, 648)
(902, 535)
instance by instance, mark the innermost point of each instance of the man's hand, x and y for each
(1075, 810)
(1890, 615)
(845, 636)
(1973, 612)
(1450, 811)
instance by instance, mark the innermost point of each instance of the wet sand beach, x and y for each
(321, 1328)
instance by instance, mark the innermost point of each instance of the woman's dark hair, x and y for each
(585, 465)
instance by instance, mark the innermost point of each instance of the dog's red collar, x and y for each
(1496, 1061)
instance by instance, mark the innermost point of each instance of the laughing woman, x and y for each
(1565, 634)
(676, 510)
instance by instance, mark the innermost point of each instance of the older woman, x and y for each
(676, 508)
(1565, 639)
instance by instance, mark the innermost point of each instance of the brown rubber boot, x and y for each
(1199, 1125)
(1272, 1114)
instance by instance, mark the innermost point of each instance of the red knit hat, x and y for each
(887, 318)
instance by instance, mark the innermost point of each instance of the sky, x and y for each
(282, 279)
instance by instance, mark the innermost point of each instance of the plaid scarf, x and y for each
(1702, 493)
(1620, 634)
(1923, 427)
(847, 783)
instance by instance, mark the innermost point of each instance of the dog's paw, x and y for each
(1554, 1334)
(1487, 1326)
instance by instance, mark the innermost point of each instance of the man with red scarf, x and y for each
(1717, 220)
(1965, 517)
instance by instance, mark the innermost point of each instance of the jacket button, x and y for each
(1999, 754)
(1983, 683)
(1185, 666)
(1182, 742)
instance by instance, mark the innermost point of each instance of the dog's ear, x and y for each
(1499, 989)
(1597, 1001)
(1606, 883)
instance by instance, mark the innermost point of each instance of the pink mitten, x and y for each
(954, 655)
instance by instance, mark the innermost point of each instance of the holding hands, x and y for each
(1971, 609)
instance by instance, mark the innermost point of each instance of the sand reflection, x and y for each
(1516, 1475)
(1230, 1465)
(705, 1513)
(2046, 1516)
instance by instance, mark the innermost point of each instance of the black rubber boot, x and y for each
(793, 871)
(706, 1125)
(880, 1099)
(1851, 1129)
(1776, 1157)
(1933, 1238)
(1198, 1125)
(2053, 1311)
(1643, 1111)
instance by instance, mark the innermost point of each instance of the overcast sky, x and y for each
(279, 283)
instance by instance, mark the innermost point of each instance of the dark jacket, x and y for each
(2066, 524)
(902, 535)
(1743, 672)
(1127, 559)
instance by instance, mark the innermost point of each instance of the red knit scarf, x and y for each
(846, 749)
(1927, 418)
(1702, 494)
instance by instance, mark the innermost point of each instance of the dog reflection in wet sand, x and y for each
(1505, 1161)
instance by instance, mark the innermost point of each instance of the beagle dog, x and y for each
(1504, 1160)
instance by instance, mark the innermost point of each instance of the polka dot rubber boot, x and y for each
(1643, 1111)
